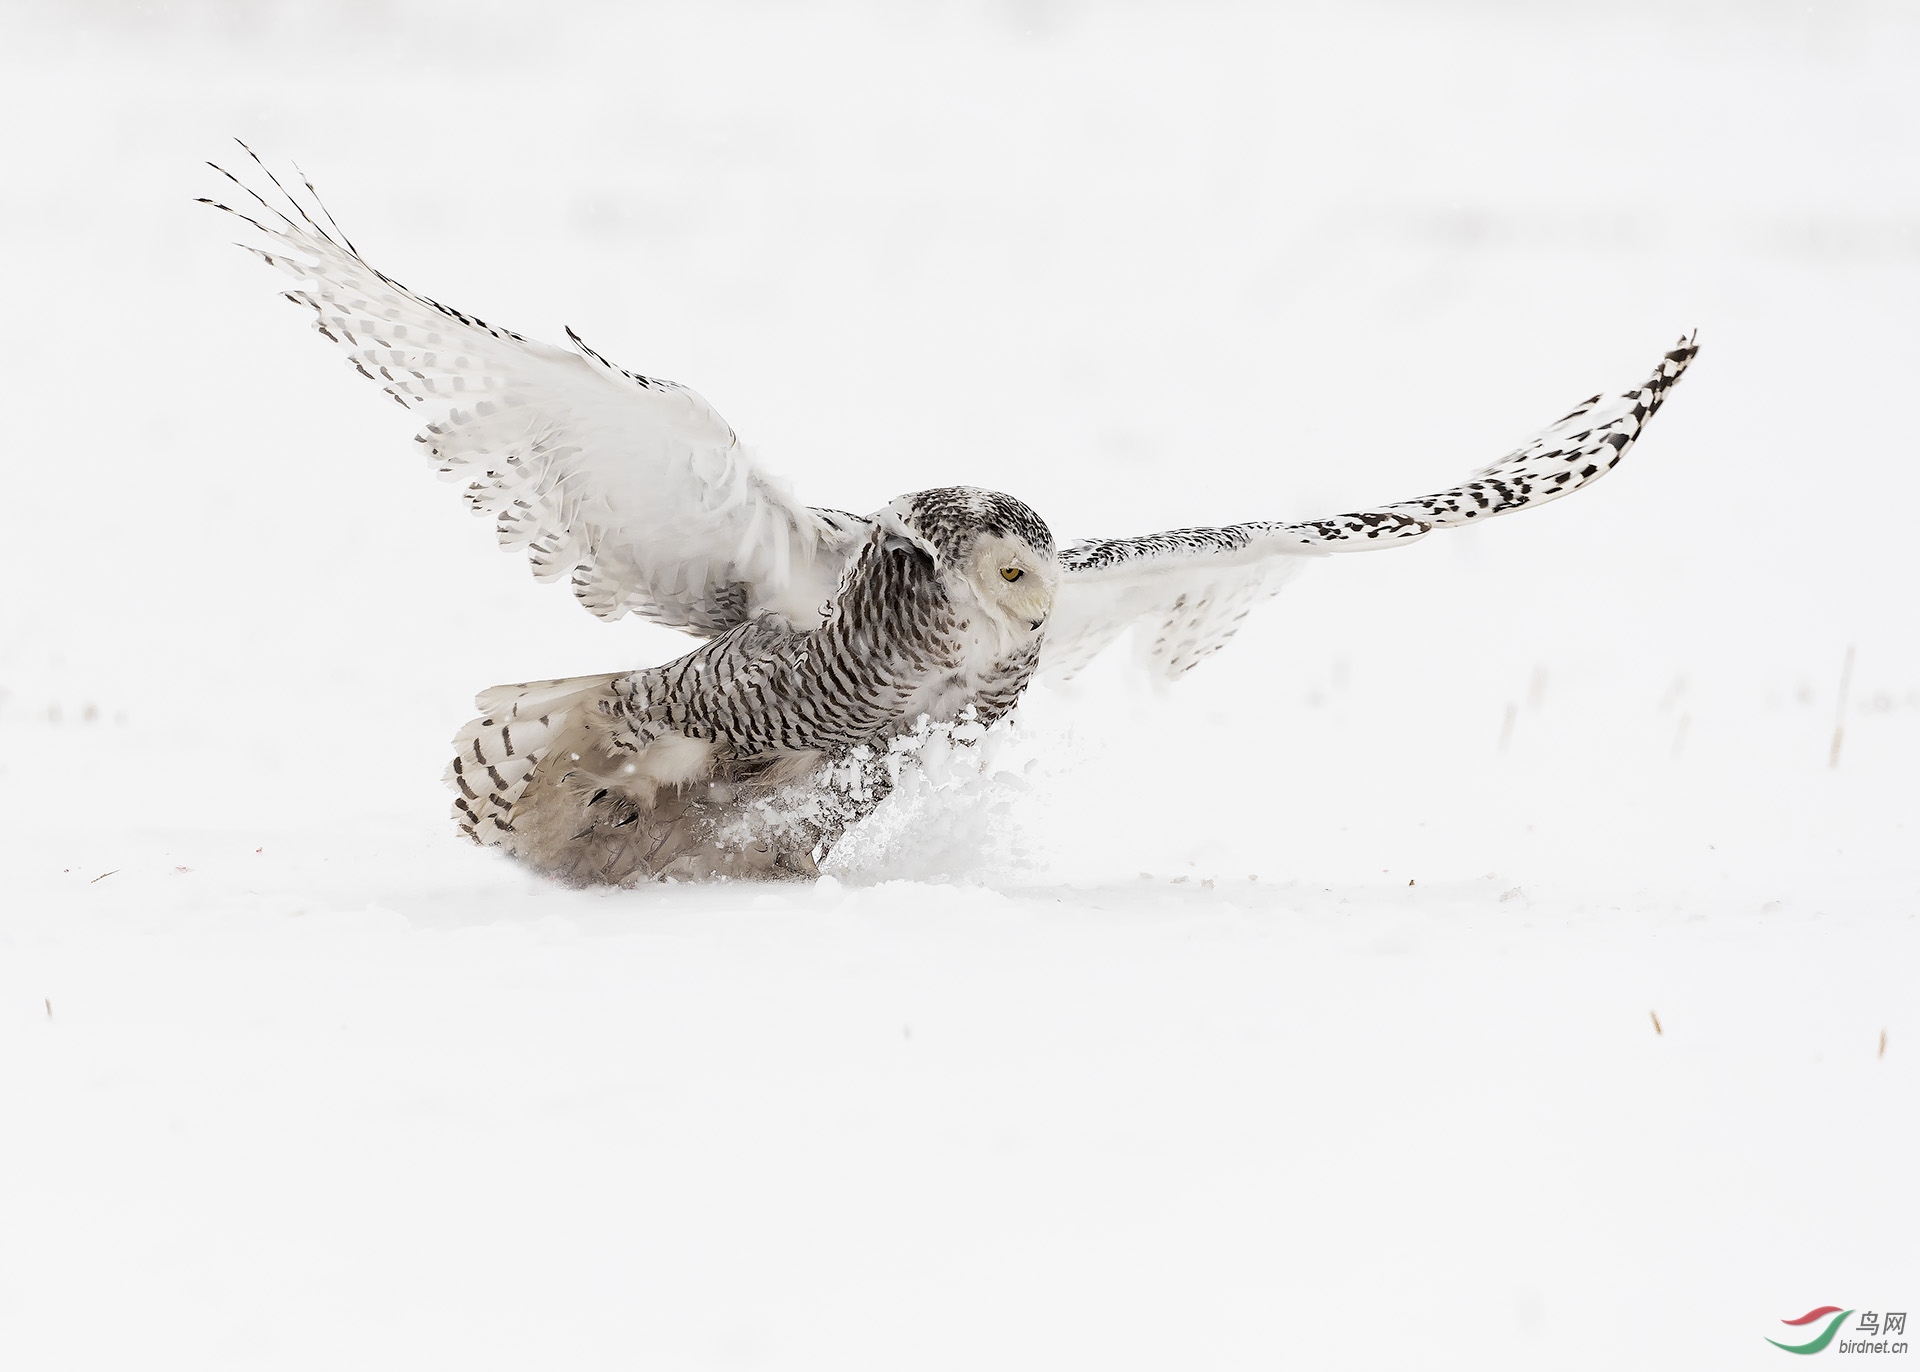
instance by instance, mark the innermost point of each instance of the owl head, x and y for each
(989, 550)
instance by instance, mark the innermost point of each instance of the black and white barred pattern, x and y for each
(781, 717)
(1192, 588)
(631, 488)
(1573, 451)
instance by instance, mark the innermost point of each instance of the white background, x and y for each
(1299, 1015)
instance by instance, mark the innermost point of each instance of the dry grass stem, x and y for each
(1840, 709)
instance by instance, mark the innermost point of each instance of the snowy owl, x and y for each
(829, 637)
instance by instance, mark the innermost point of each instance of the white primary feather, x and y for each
(1186, 591)
(633, 487)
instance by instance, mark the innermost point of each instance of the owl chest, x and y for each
(978, 671)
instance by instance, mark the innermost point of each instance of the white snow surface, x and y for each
(1486, 961)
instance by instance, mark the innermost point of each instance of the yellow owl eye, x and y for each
(1011, 573)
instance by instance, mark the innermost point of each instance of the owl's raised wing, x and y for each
(632, 487)
(1187, 591)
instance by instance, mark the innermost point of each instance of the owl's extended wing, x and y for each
(633, 487)
(1188, 590)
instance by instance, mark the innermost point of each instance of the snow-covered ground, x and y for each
(1486, 961)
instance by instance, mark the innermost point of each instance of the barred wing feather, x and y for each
(1186, 592)
(632, 487)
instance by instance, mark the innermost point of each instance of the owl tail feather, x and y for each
(505, 763)
(554, 773)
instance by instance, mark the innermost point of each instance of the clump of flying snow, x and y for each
(957, 810)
